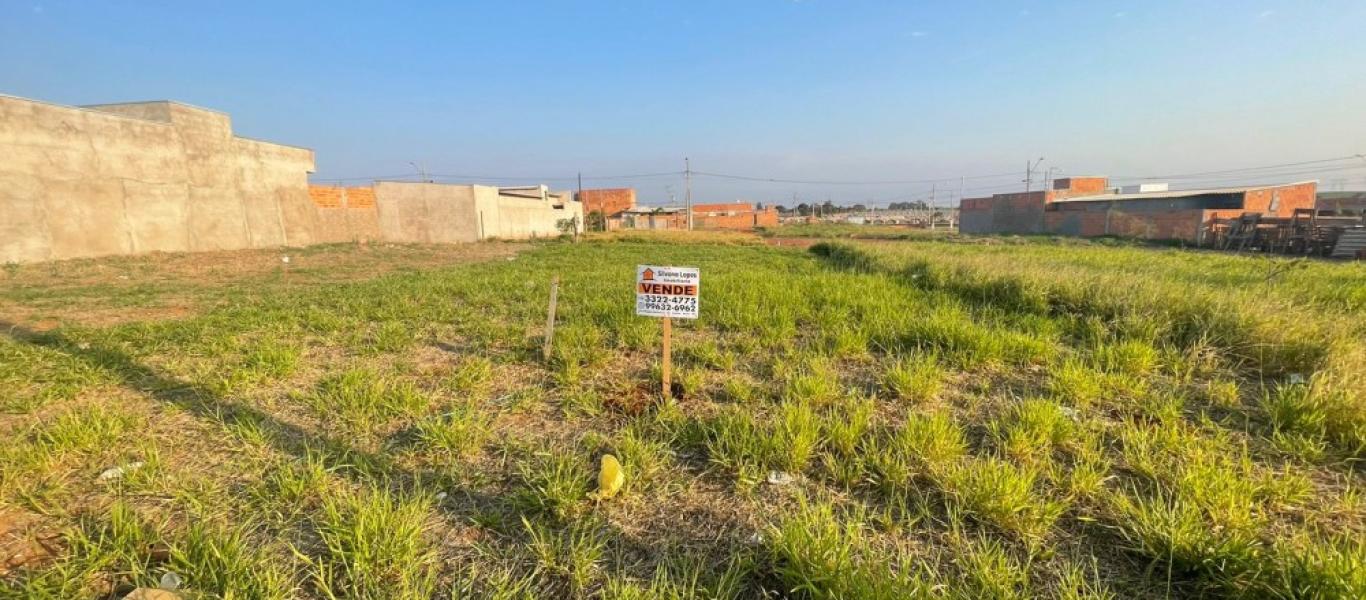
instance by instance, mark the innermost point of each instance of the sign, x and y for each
(667, 291)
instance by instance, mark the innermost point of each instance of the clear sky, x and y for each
(808, 90)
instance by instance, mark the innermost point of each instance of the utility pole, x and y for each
(421, 172)
(934, 187)
(1029, 171)
(687, 189)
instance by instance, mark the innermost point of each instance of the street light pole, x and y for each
(1029, 172)
(421, 172)
(687, 189)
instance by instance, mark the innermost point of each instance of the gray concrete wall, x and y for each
(521, 218)
(143, 177)
(441, 213)
(426, 212)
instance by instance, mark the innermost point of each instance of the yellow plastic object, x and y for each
(610, 477)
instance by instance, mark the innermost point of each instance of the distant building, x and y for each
(738, 216)
(733, 215)
(1086, 206)
(1342, 203)
(650, 218)
(610, 202)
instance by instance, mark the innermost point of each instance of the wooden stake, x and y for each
(550, 316)
(667, 365)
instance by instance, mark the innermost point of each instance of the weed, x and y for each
(471, 376)
(817, 556)
(684, 579)
(990, 572)
(1003, 495)
(915, 379)
(374, 546)
(363, 398)
(571, 555)
(554, 484)
(227, 562)
(1032, 430)
(288, 488)
(459, 432)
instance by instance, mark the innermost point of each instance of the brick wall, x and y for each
(766, 218)
(327, 196)
(1079, 186)
(733, 215)
(360, 197)
(1286, 199)
(723, 207)
(610, 201)
(1003, 213)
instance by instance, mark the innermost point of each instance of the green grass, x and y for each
(374, 546)
(934, 416)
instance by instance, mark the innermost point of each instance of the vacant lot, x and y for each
(890, 419)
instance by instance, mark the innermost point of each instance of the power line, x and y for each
(1212, 177)
(832, 182)
(501, 177)
(1245, 169)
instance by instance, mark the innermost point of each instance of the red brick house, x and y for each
(1087, 207)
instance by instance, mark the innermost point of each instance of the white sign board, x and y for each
(667, 291)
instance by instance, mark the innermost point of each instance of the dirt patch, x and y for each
(23, 542)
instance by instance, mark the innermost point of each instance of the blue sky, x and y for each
(810, 90)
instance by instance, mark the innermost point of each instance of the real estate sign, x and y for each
(667, 291)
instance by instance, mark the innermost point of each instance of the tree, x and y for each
(595, 221)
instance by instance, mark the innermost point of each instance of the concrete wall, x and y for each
(515, 217)
(150, 176)
(426, 212)
(441, 213)
(649, 220)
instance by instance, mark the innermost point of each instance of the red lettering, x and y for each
(666, 289)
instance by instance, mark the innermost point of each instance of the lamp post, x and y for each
(1029, 172)
(421, 172)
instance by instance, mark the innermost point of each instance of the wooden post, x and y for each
(550, 316)
(667, 365)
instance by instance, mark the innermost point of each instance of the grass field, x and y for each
(937, 418)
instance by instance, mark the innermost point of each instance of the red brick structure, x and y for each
(741, 216)
(1081, 206)
(609, 201)
(327, 196)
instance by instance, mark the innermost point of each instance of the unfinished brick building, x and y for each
(608, 201)
(1087, 207)
(733, 215)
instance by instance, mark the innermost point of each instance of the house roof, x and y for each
(1175, 193)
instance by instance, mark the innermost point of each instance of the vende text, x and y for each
(667, 289)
